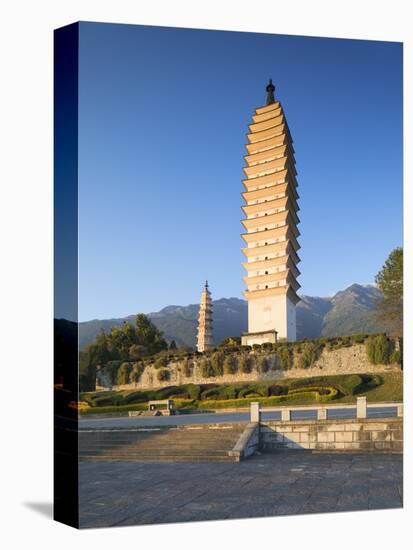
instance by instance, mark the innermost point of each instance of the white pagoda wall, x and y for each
(273, 313)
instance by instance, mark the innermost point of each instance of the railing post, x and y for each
(322, 413)
(285, 415)
(361, 407)
(255, 412)
(400, 409)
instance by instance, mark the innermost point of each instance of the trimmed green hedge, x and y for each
(320, 390)
(121, 408)
(301, 397)
(311, 389)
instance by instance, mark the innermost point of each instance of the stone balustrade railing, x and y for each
(322, 410)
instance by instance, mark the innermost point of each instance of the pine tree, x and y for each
(390, 281)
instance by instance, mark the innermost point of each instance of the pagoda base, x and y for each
(251, 338)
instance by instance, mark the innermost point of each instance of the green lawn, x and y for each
(383, 387)
(390, 390)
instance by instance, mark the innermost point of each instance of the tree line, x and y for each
(129, 342)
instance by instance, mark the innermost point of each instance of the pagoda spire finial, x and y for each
(270, 92)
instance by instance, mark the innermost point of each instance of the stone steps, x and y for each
(174, 444)
(136, 447)
(163, 458)
(161, 452)
(174, 435)
(155, 448)
(171, 437)
(157, 443)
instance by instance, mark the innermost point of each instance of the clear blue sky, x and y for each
(163, 122)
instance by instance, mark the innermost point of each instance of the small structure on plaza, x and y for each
(205, 340)
(164, 405)
(271, 226)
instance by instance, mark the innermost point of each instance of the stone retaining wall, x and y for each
(346, 360)
(333, 435)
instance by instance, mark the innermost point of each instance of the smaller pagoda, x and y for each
(205, 321)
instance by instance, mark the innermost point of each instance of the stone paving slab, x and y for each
(137, 493)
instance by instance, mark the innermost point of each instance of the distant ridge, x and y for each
(349, 311)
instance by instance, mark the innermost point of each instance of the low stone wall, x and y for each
(333, 435)
(346, 360)
(248, 443)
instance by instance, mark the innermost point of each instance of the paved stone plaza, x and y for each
(134, 493)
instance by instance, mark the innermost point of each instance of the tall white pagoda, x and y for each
(271, 226)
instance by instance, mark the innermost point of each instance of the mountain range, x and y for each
(349, 311)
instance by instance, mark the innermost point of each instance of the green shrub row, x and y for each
(230, 359)
(345, 385)
(304, 396)
(325, 390)
(113, 409)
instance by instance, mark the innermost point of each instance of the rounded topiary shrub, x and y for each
(136, 372)
(206, 368)
(188, 367)
(277, 390)
(217, 363)
(308, 355)
(228, 392)
(262, 364)
(379, 349)
(210, 393)
(124, 373)
(285, 357)
(262, 389)
(163, 375)
(230, 365)
(244, 392)
(161, 362)
(396, 357)
(245, 365)
(193, 391)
